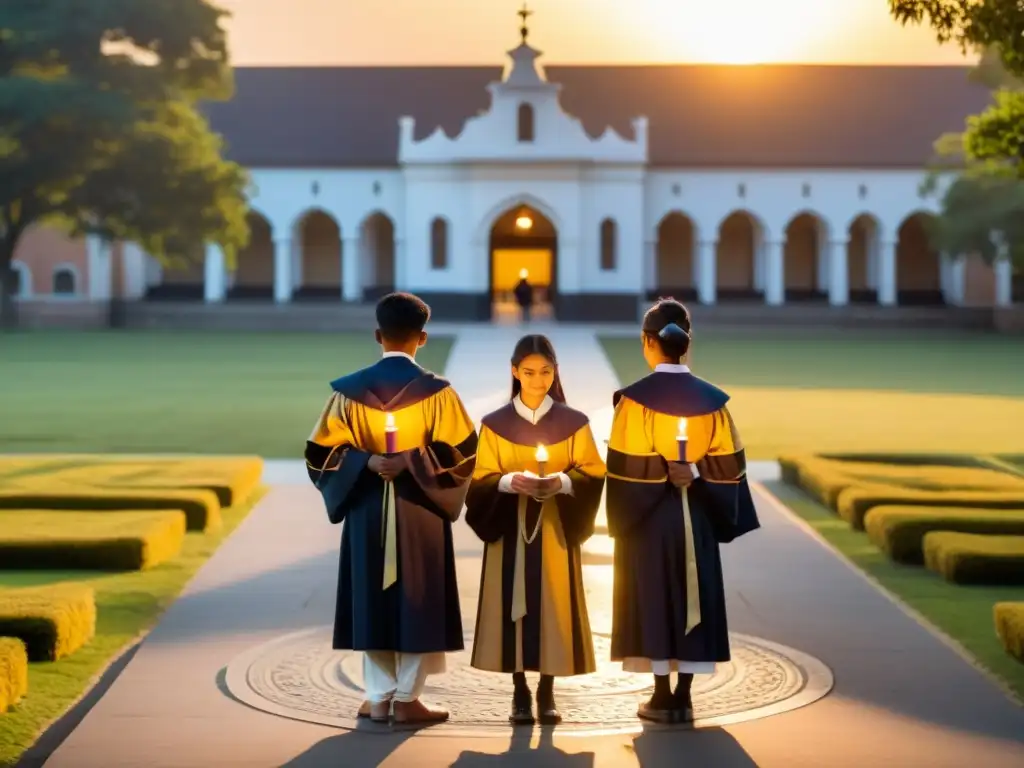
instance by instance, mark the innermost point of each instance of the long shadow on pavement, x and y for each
(350, 748)
(520, 753)
(667, 748)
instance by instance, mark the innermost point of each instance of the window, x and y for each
(525, 123)
(805, 190)
(608, 238)
(862, 191)
(439, 243)
(741, 190)
(63, 282)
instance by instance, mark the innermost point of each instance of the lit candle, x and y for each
(390, 434)
(681, 438)
(542, 460)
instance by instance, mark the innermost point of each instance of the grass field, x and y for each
(127, 604)
(174, 392)
(840, 390)
(963, 612)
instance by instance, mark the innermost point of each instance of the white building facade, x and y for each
(620, 226)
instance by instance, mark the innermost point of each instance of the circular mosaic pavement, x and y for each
(299, 676)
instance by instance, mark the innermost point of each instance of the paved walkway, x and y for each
(902, 698)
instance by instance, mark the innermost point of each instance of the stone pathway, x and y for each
(901, 697)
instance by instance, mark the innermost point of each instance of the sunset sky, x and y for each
(323, 32)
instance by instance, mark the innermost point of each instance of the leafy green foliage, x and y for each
(973, 25)
(982, 213)
(99, 127)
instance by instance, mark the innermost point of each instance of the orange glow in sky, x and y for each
(325, 32)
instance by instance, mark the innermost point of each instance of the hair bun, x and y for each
(673, 332)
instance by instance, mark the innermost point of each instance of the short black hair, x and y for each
(401, 316)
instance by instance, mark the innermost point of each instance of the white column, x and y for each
(774, 274)
(887, 274)
(957, 282)
(351, 261)
(569, 278)
(214, 274)
(1004, 282)
(401, 268)
(707, 288)
(838, 274)
(824, 257)
(134, 271)
(650, 266)
(98, 255)
(283, 285)
(760, 273)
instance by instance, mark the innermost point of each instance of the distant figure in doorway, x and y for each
(524, 294)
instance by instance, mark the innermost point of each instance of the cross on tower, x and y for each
(524, 13)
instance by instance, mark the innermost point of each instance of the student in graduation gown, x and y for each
(668, 517)
(398, 600)
(532, 614)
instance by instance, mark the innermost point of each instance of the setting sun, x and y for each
(740, 31)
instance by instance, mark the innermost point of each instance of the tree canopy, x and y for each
(100, 129)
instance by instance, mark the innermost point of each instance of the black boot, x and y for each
(522, 701)
(547, 712)
(660, 708)
(683, 698)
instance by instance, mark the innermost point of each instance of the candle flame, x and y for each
(389, 422)
(682, 429)
(542, 453)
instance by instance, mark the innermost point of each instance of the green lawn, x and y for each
(842, 390)
(963, 612)
(113, 392)
(127, 604)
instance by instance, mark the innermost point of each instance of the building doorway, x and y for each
(523, 245)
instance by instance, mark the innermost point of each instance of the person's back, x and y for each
(524, 296)
(394, 442)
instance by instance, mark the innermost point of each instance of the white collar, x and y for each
(533, 416)
(399, 354)
(671, 368)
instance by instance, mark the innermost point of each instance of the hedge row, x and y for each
(53, 621)
(108, 541)
(1009, 620)
(13, 672)
(968, 558)
(899, 531)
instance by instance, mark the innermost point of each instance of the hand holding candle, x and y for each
(390, 435)
(681, 438)
(542, 460)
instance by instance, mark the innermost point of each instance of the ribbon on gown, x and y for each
(389, 535)
(692, 581)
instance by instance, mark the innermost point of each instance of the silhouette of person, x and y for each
(524, 294)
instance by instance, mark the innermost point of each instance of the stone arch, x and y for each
(805, 256)
(440, 242)
(675, 256)
(65, 280)
(523, 238)
(377, 245)
(863, 249)
(317, 255)
(253, 277)
(22, 280)
(487, 223)
(739, 255)
(918, 262)
(609, 244)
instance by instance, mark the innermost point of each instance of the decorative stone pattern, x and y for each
(299, 676)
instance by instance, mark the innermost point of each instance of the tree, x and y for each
(100, 130)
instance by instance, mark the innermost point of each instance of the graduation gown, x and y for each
(669, 598)
(544, 578)
(404, 532)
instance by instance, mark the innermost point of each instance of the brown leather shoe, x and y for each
(380, 713)
(418, 713)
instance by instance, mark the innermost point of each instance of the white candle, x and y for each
(542, 459)
(390, 434)
(682, 429)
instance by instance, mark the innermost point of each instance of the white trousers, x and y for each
(399, 676)
(664, 666)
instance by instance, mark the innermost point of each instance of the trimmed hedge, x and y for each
(854, 503)
(969, 558)
(13, 672)
(899, 531)
(53, 621)
(107, 541)
(1009, 620)
(201, 507)
(825, 479)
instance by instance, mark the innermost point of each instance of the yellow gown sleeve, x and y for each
(334, 463)
(725, 461)
(723, 491)
(489, 513)
(451, 422)
(578, 511)
(637, 479)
